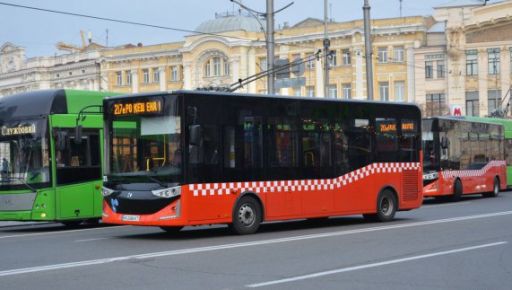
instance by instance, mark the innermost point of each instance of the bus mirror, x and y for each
(196, 135)
(78, 135)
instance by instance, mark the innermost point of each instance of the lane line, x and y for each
(59, 232)
(241, 245)
(91, 240)
(373, 265)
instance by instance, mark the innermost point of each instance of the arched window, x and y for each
(216, 66)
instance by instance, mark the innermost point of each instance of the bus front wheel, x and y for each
(387, 205)
(457, 190)
(246, 216)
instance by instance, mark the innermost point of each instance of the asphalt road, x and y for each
(464, 245)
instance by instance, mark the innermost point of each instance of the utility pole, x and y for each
(368, 50)
(270, 46)
(327, 43)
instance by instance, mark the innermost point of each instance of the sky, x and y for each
(38, 31)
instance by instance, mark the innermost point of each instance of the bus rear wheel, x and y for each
(246, 216)
(387, 205)
(457, 190)
(495, 188)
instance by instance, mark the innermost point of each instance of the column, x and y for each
(319, 76)
(187, 76)
(483, 76)
(135, 80)
(360, 85)
(163, 79)
(410, 75)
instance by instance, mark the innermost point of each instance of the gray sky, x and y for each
(38, 31)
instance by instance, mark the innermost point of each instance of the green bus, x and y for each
(507, 126)
(46, 174)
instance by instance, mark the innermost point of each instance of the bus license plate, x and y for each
(130, 218)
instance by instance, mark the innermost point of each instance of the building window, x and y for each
(429, 69)
(384, 91)
(332, 59)
(216, 66)
(347, 91)
(346, 57)
(310, 64)
(398, 54)
(400, 91)
(128, 77)
(493, 55)
(472, 62)
(383, 55)
(310, 91)
(263, 64)
(435, 105)
(227, 70)
(145, 74)
(472, 104)
(440, 69)
(332, 91)
(175, 73)
(156, 75)
(493, 100)
(119, 78)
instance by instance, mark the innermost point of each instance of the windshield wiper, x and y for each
(23, 182)
(156, 181)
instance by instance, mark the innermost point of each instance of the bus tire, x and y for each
(457, 190)
(171, 230)
(495, 188)
(246, 216)
(387, 205)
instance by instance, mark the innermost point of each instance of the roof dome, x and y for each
(224, 23)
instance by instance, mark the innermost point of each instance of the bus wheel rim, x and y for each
(386, 206)
(496, 188)
(246, 215)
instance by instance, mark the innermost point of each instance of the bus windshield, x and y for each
(24, 154)
(145, 149)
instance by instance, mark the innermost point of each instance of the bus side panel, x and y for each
(76, 200)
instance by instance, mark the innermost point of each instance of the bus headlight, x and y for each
(167, 192)
(106, 191)
(430, 176)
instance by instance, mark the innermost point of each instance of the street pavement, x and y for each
(463, 245)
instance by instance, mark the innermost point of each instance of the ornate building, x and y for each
(232, 47)
(79, 70)
(466, 65)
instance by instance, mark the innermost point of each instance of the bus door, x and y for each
(78, 173)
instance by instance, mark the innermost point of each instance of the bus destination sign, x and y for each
(18, 130)
(137, 107)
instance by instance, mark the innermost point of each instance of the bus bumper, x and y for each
(168, 216)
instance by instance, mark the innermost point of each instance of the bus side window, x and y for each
(77, 162)
(359, 143)
(409, 142)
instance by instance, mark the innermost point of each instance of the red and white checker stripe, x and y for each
(473, 173)
(216, 189)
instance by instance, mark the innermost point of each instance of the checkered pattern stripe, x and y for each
(217, 189)
(473, 173)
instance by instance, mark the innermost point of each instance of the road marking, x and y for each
(373, 265)
(242, 245)
(91, 240)
(58, 232)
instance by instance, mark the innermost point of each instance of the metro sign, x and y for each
(456, 110)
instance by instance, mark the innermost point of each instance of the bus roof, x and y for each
(318, 99)
(46, 102)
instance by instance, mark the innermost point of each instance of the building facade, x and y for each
(80, 70)
(465, 67)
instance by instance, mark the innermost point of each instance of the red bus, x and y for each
(193, 158)
(462, 157)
